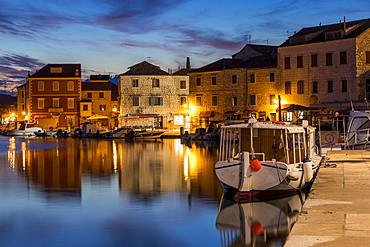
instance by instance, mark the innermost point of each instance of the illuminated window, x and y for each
(55, 102)
(55, 85)
(178, 120)
(102, 107)
(71, 103)
(70, 85)
(40, 103)
(40, 86)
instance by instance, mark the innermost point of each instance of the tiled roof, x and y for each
(183, 71)
(218, 65)
(58, 71)
(96, 86)
(99, 77)
(318, 33)
(145, 68)
(265, 61)
(262, 49)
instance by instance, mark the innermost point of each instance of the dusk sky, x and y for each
(106, 37)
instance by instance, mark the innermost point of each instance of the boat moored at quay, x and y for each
(273, 158)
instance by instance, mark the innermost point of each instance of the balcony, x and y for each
(55, 110)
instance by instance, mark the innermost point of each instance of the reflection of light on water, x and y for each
(11, 152)
(24, 148)
(193, 162)
(114, 156)
(186, 167)
(179, 148)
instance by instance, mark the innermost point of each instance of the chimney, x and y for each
(188, 63)
(344, 24)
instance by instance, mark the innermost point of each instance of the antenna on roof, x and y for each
(149, 59)
(267, 41)
(249, 38)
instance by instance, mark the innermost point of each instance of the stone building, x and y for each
(99, 102)
(51, 96)
(157, 97)
(327, 67)
(234, 88)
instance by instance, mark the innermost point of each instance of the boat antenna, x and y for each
(350, 98)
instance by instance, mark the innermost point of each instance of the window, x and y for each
(330, 86)
(101, 95)
(252, 99)
(314, 60)
(155, 82)
(288, 87)
(70, 85)
(70, 103)
(198, 101)
(89, 95)
(273, 100)
(56, 70)
(233, 79)
(183, 101)
(214, 81)
(85, 107)
(55, 102)
(40, 103)
(214, 100)
(178, 120)
(102, 107)
(135, 101)
(343, 57)
(234, 101)
(55, 85)
(368, 85)
(367, 56)
(135, 82)
(155, 101)
(299, 61)
(287, 62)
(182, 84)
(272, 77)
(300, 87)
(198, 79)
(344, 86)
(329, 58)
(252, 78)
(40, 86)
(315, 87)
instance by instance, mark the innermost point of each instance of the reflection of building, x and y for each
(52, 95)
(151, 168)
(145, 90)
(99, 101)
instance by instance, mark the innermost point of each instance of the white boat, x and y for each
(264, 156)
(25, 129)
(358, 130)
(146, 134)
(258, 223)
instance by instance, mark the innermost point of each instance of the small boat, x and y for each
(145, 134)
(116, 134)
(357, 135)
(45, 133)
(258, 223)
(276, 158)
(25, 129)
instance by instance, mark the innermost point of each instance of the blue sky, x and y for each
(107, 37)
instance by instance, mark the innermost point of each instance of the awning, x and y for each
(204, 114)
(128, 115)
(97, 117)
(294, 107)
(230, 113)
(147, 115)
(283, 106)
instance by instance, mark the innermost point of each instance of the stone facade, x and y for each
(160, 97)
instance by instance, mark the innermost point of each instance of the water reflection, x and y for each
(257, 223)
(144, 169)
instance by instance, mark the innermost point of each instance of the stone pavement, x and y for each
(337, 211)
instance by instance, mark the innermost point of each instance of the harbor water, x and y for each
(91, 192)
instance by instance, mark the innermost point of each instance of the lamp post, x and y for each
(279, 102)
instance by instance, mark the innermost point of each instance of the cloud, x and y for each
(14, 69)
